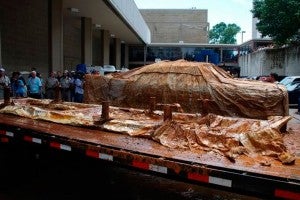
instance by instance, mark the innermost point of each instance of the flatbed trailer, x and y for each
(212, 170)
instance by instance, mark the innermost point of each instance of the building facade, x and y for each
(180, 34)
(53, 35)
(177, 25)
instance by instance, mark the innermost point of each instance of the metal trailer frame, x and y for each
(233, 180)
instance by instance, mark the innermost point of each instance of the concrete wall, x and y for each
(175, 25)
(97, 47)
(72, 42)
(56, 36)
(130, 12)
(24, 35)
(24, 27)
(283, 61)
(40, 34)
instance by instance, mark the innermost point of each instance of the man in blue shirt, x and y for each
(34, 86)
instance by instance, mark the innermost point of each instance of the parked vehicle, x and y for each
(289, 79)
(266, 78)
(109, 69)
(106, 69)
(293, 92)
(281, 77)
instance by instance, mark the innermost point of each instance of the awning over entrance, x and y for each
(121, 18)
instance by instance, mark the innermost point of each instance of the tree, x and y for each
(223, 34)
(278, 19)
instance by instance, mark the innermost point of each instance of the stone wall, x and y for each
(283, 61)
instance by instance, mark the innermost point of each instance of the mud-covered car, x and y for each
(189, 84)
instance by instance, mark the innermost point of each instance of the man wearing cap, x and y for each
(4, 82)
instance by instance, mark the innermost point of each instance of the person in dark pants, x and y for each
(298, 112)
(79, 82)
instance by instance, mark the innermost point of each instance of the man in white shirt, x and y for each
(4, 82)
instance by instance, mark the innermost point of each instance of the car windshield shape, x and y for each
(289, 79)
(292, 86)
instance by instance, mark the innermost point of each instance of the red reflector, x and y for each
(2, 132)
(198, 177)
(28, 138)
(287, 194)
(55, 145)
(140, 165)
(92, 153)
(4, 140)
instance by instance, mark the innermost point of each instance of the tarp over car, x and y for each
(188, 84)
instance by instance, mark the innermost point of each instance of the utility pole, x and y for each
(243, 36)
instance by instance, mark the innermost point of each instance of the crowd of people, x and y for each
(70, 85)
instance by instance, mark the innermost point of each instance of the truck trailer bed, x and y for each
(244, 175)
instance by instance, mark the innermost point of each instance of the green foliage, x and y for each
(278, 19)
(223, 34)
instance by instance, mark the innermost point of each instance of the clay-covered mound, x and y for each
(188, 83)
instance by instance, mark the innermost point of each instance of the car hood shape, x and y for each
(188, 84)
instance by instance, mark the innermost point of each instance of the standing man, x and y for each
(79, 87)
(34, 86)
(273, 78)
(65, 82)
(50, 85)
(298, 106)
(4, 82)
